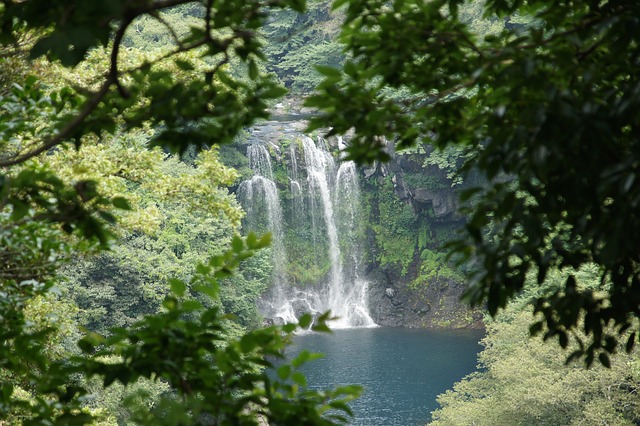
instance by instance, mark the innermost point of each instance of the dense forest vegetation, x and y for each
(526, 381)
(130, 286)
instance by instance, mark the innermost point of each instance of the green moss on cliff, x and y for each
(393, 223)
(435, 267)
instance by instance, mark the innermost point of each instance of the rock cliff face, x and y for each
(413, 295)
(444, 203)
(407, 211)
(393, 303)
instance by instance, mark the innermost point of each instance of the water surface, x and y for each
(402, 370)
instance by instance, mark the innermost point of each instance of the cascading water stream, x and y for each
(294, 183)
(261, 192)
(319, 164)
(260, 161)
(331, 196)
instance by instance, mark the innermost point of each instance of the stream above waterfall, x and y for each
(401, 370)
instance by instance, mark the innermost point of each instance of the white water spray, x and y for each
(333, 196)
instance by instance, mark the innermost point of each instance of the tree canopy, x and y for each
(525, 381)
(549, 106)
(545, 107)
(79, 105)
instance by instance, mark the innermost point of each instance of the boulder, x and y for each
(399, 188)
(444, 202)
(368, 172)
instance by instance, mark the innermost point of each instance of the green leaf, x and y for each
(467, 194)
(121, 203)
(299, 379)
(237, 244)
(305, 320)
(273, 92)
(184, 65)
(631, 341)
(251, 241)
(203, 269)
(107, 217)
(604, 359)
(210, 316)
(328, 71)
(573, 356)
(563, 339)
(338, 3)
(7, 391)
(248, 343)
(170, 303)
(226, 79)
(209, 290)
(178, 287)
(341, 405)
(191, 305)
(289, 327)
(253, 69)
(86, 346)
(298, 5)
(20, 209)
(321, 328)
(284, 371)
(305, 356)
(216, 261)
(265, 241)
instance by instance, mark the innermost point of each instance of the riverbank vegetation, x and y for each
(526, 381)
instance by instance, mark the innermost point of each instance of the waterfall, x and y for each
(260, 161)
(319, 166)
(323, 233)
(347, 190)
(295, 187)
(259, 196)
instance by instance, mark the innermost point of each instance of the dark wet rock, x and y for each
(444, 202)
(300, 307)
(399, 187)
(394, 303)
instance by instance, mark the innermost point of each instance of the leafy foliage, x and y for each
(185, 362)
(435, 266)
(223, 32)
(213, 378)
(222, 383)
(449, 160)
(37, 193)
(393, 227)
(299, 42)
(524, 381)
(182, 214)
(550, 108)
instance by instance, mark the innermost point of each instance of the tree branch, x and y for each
(115, 51)
(113, 76)
(164, 22)
(66, 131)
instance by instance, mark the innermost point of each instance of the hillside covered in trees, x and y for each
(496, 159)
